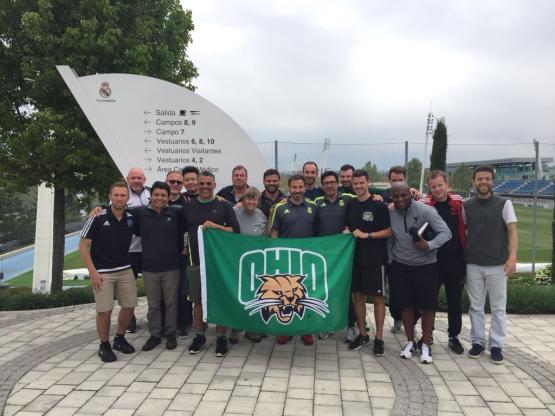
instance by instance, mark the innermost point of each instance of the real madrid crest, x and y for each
(105, 91)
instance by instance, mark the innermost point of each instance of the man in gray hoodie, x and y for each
(414, 272)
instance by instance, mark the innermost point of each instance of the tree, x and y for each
(461, 179)
(373, 174)
(414, 169)
(44, 136)
(438, 158)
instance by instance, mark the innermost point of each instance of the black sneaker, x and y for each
(183, 333)
(121, 344)
(151, 343)
(476, 351)
(378, 347)
(455, 345)
(132, 325)
(171, 342)
(105, 353)
(496, 355)
(221, 347)
(359, 342)
(198, 342)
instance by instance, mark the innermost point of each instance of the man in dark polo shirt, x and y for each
(332, 215)
(368, 220)
(190, 182)
(109, 235)
(233, 193)
(161, 228)
(346, 179)
(294, 218)
(271, 194)
(310, 174)
(208, 212)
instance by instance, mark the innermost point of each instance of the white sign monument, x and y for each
(159, 126)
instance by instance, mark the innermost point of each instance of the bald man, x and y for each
(139, 195)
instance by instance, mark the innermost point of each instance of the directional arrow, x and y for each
(147, 140)
(147, 150)
(147, 122)
(148, 131)
(149, 169)
(148, 159)
(146, 112)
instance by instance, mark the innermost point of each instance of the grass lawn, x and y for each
(543, 234)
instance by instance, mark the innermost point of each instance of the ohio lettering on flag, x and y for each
(275, 286)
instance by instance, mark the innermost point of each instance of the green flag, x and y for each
(278, 286)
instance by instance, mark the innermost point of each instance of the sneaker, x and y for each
(282, 339)
(253, 337)
(358, 342)
(396, 328)
(121, 344)
(324, 335)
(234, 336)
(408, 350)
(496, 355)
(307, 339)
(420, 342)
(476, 351)
(221, 347)
(106, 354)
(171, 342)
(151, 343)
(132, 325)
(352, 333)
(425, 354)
(183, 333)
(378, 347)
(197, 344)
(455, 345)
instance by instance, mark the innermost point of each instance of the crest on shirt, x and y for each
(106, 223)
(309, 210)
(286, 211)
(368, 216)
(341, 203)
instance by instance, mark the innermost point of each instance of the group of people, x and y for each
(415, 242)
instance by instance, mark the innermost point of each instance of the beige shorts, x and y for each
(122, 283)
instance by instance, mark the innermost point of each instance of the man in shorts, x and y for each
(368, 220)
(109, 235)
(413, 272)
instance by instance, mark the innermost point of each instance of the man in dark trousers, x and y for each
(109, 235)
(450, 256)
(208, 212)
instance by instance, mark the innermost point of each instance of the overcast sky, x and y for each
(368, 72)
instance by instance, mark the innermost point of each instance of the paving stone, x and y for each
(241, 405)
(76, 399)
(298, 407)
(153, 407)
(185, 401)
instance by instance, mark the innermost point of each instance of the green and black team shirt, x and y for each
(197, 212)
(110, 240)
(295, 221)
(332, 216)
(162, 237)
(369, 216)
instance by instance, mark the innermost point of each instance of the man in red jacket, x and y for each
(450, 258)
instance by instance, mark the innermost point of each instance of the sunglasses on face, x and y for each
(175, 182)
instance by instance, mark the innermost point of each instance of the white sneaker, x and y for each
(352, 333)
(408, 350)
(426, 354)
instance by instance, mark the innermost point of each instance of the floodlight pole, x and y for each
(429, 128)
(535, 210)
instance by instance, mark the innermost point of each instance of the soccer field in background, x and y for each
(543, 234)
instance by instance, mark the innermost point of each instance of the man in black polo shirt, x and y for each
(109, 235)
(271, 194)
(208, 212)
(161, 228)
(310, 174)
(190, 182)
(233, 193)
(332, 215)
(368, 220)
(294, 218)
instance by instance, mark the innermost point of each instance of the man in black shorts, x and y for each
(208, 212)
(368, 220)
(414, 272)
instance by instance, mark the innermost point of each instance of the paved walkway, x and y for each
(48, 365)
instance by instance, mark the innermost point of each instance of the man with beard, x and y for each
(450, 256)
(139, 196)
(294, 218)
(271, 194)
(310, 174)
(346, 179)
(208, 212)
(490, 254)
(233, 193)
(413, 272)
(368, 220)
